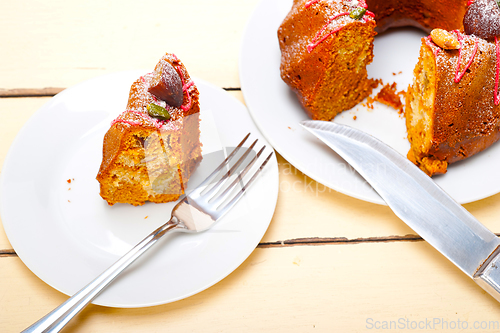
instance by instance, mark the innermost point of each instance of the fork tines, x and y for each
(216, 200)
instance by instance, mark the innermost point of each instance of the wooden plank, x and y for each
(42, 92)
(305, 209)
(308, 209)
(336, 288)
(327, 263)
(60, 43)
(14, 113)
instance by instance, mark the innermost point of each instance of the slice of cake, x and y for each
(452, 107)
(153, 147)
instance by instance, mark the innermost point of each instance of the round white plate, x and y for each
(67, 235)
(277, 112)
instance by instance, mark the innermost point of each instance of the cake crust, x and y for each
(422, 14)
(450, 118)
(452, 106)
(324, 54)
(149, 159)
(325, 48)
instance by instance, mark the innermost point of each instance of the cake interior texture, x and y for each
(329, 76)
(419, 113)
(150, 165)
(451, 117)
(149, 156)
(351, 55)
(452, 107)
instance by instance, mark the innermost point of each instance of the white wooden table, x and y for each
(328, 262)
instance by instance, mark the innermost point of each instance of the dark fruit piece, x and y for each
(482, 19)
(167, 84)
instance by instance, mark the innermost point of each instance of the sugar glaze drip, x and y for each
(316, 40)
(460, 37)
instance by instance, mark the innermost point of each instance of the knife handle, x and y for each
(488, 275)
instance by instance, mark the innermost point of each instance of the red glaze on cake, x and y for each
(325, 48)
(150, 158)
(452, 107)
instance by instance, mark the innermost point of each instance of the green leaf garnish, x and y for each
(158, 112)
(357, 13)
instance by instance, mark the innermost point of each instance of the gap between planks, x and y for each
(314, 241)
(47, 92)
(311, 241)
(43, 92)
(8, 253)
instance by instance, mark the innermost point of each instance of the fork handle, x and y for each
(60, 316)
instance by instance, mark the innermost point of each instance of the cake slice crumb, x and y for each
(390, 96)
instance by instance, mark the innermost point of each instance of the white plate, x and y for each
(277, 112)
(66, 234)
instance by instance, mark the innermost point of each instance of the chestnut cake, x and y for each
(327, 44)
(153, 147)
(327, 73)
(452, 107)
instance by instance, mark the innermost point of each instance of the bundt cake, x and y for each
(327, 44)
(452, 106)
(153, 147)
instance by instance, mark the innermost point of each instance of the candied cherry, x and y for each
(482, 19)
(167, 84)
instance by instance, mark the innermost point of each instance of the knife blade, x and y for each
(417, 200)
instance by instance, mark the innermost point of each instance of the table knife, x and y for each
(417, 200)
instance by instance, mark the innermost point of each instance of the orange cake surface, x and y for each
(452, 109)
(324, 53)
(147, 157)
(422, 14)
(327, 44)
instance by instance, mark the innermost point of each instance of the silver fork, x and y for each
(195, 212)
